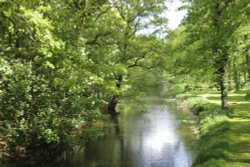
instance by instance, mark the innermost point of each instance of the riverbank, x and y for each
(148, 132)
(88, 131)
(224, 138)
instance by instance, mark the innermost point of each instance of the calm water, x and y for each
(145, 135)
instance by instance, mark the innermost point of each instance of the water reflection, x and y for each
(144, 138)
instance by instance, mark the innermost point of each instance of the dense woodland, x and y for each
(212, 45)
(64, 62)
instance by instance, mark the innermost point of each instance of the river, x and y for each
(148, 133)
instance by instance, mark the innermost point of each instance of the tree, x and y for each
(63, 60)
(213, 24)
(129, 43)
(47, 88)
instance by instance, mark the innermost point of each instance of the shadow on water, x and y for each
(147, 133)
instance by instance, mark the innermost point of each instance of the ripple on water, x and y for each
(145, 139)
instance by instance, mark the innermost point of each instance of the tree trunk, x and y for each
(112, 106)
(229, 76)
(247, 56)
(248, 64)
(245, 76)
(236, 76)
(221, 56)
(222, 87)
(114, 100)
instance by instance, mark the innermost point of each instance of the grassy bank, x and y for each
(224, 138)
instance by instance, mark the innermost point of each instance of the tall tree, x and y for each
(213, 23)
(62, 60)
(130, 48)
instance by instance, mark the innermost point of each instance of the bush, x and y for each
(197, 104)
(213, 163)
(197, 109)
(198, 87)
(214, 144)
(175, 90)
(194, 101)
(247, 96)
(188, 87)
(213, 126)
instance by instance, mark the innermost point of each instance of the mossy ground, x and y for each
(224, 141)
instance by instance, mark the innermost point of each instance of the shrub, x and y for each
(175, 90)
(197, 109)
(194, 101)
(213, 163)
(247, 96)
(214, 144)
(188, 87)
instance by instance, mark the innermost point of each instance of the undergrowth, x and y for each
(213, 143)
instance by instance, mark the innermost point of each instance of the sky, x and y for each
(175, 17)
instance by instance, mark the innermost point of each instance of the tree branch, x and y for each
(94, 41)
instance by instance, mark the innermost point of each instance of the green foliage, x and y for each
(193, 101)
(214, 125)
(213, 162)
(175, 90)
(221, 136)
(213, 147)
(141, 84)
(212, 45)
(60, 61)
(89, 134)
(247, 96)
(94, 116)
(197, 109)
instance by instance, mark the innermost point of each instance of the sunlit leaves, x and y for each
(60, 61)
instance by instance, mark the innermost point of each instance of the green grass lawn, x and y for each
(224, 142)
